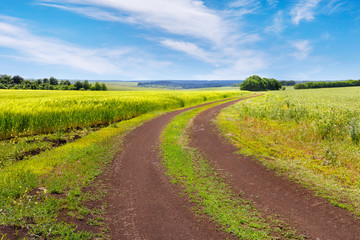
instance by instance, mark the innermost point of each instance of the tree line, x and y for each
(186, 84)
(308, 85)
(288, 83)
(17, 82)
(256, 83)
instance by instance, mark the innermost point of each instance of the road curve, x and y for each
(312, 216)
(142, 204)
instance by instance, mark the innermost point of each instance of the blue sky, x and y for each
(180, 39)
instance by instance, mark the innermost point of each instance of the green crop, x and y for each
(311, 135)
(33, 112)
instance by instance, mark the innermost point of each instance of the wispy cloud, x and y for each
(245, 3)
(182, 17)
(272, 3)
(49, 51)
(278, 24)
(304, 10)
(189, 48)
(244, 63)
(335, 5)
(303, 49)
(243, 7)
(94, 13)
(216, 31)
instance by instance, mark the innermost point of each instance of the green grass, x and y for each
(309, 135)
(18, 149)
(204, 186)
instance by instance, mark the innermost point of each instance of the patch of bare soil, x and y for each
(12, 233)
(312, 216)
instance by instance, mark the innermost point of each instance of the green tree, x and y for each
(17, 79)
(53, 81)
(256, 83)
(97, 86)
(86, 85)
(67, 82)
(6, 80)
(78, 85)
(103, 87)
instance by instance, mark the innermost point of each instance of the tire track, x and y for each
(142, 204)
(312, 216)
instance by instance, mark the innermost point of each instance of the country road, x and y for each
(142, 204)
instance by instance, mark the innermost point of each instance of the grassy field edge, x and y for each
(277, 158)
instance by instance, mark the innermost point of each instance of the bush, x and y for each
(256, 83)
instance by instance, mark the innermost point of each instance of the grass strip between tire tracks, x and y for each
(204, 186)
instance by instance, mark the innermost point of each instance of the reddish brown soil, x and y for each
(12, 233)
(142, 204)
(312, 216)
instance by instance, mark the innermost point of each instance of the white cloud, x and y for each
(246, 63)
(334, 6)
(94, 13)
(243, 7)
(183, 17)
(272, 3)
(245, 3)
(278, 24)
(304, 9)
(48, 51)
(303, 49)
(215, 30)
(189, 48)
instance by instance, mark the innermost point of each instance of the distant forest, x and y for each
(186, 84)
(287, 83)
(348, 83)
(17, 82)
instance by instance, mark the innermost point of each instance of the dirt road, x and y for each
(312, 216)
(142, 203)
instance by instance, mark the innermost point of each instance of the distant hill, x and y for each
(186, 84)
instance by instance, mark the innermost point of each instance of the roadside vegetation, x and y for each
(312, 136)
(46, 175)
(17, 82)
(205, 187)
(45, 196)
